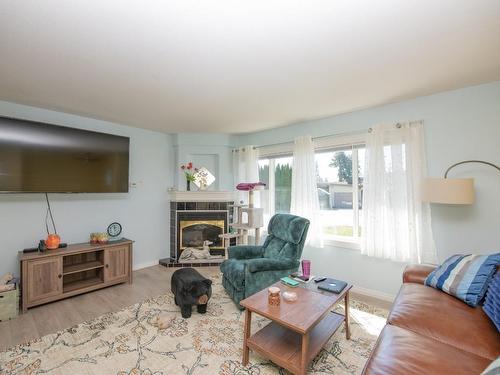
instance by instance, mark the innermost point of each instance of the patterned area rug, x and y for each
(127, 342)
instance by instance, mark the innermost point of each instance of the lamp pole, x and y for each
(470, 161)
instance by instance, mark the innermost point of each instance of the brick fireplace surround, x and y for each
(198, 207)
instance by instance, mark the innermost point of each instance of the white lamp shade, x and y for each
(448, 190)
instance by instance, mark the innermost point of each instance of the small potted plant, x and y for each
(189, 171)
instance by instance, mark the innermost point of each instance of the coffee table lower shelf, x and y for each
(283, 346)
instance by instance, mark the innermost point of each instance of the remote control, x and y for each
(30, 250)
(319, 279)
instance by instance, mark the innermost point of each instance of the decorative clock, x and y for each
(114, 230)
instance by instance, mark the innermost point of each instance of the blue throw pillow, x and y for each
(492, 303)
(465, 276)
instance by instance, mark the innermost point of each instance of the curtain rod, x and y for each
(313, 138)
(369, 130)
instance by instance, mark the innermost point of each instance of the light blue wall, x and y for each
(461, 124)
(212, 151)
(143, 212)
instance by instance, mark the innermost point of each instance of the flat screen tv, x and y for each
(43, 158)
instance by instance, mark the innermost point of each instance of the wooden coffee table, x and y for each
(298, 330)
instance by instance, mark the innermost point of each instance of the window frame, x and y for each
(322, 144)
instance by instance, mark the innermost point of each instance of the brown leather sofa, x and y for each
(429, 332)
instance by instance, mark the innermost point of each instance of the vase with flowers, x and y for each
(189, 172)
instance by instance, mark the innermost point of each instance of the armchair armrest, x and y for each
(417, 273)
(245, 252)
(267, 264)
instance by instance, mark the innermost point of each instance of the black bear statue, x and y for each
(191, 288)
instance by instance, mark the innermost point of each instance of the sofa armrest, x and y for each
(267, 264)
(417, 273)
(244, 252)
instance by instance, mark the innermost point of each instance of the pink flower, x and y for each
(183, 167)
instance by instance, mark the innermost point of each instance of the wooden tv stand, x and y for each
(79, 268)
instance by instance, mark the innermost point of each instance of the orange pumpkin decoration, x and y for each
(52, 242)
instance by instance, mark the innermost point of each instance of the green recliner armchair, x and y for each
(250, 269)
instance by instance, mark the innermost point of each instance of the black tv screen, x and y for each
(43, 158)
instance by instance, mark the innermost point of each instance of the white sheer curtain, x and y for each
(246, 167)
(305, 201)
(397, 224)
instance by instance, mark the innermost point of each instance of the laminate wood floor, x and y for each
(56, 316)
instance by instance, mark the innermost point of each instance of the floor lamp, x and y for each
(451, 190)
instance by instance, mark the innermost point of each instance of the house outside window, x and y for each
(340, 191)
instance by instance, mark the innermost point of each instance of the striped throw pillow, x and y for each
(465, 276)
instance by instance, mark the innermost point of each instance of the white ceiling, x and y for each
(238, 66)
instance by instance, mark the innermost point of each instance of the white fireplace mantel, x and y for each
(201, 196)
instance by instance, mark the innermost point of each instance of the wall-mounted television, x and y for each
(43, 158)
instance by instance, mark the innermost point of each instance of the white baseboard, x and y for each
(140, 266)
(373, 293)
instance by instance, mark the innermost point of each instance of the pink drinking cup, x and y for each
(306, 268)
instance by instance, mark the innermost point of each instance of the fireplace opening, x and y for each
(194, 227)
(194, 232)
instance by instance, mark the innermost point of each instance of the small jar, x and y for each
(274, 298)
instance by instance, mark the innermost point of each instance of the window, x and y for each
(276, 173)
(340, 192)
(340, 172)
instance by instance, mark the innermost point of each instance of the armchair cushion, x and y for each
(273, 246)
(245, 252)
(266, 264)
(289, 228)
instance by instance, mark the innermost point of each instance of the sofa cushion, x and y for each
(399, 351)
(434, 314)
(465, 276)
(234, 272)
